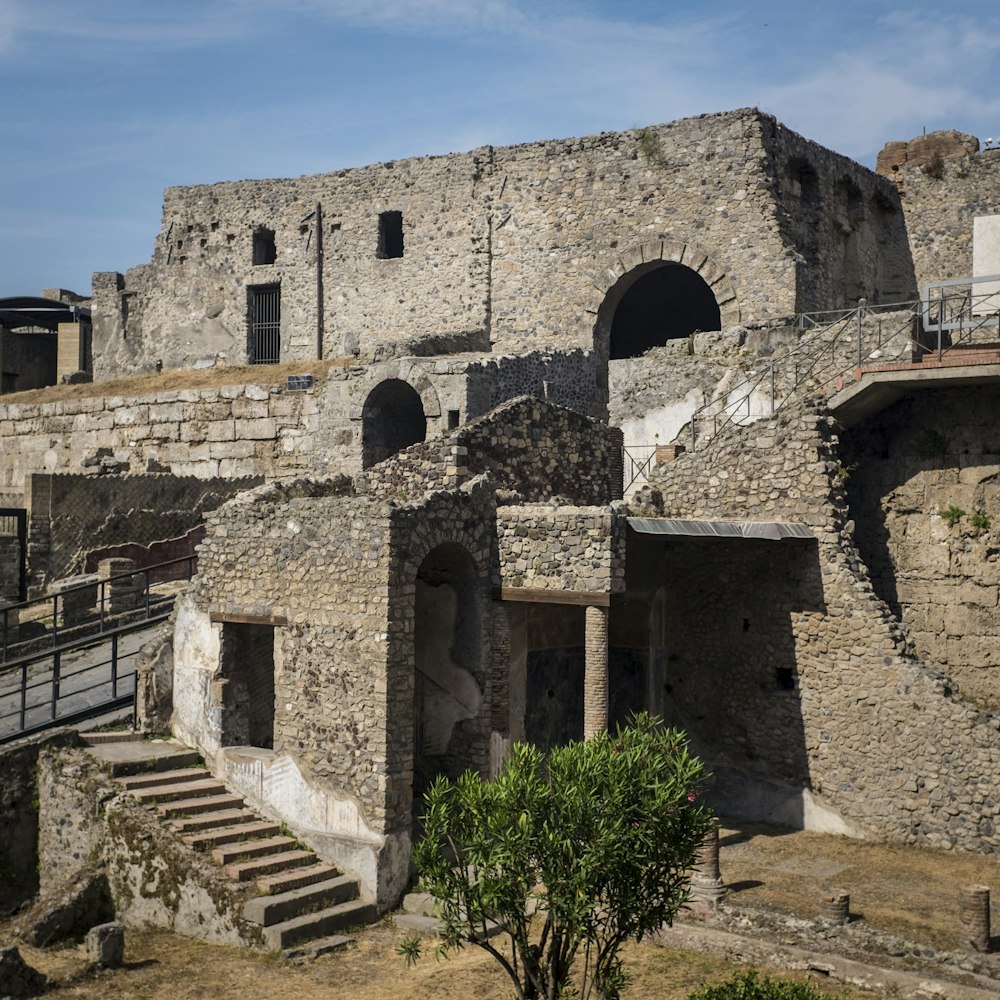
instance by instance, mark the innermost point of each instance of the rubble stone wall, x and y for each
(263, 430)
(527, 445)
(514, 248)
(940, 204)
(929, 453)
(551, 547)
(885, 741)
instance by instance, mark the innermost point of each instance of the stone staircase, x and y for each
(301, 904)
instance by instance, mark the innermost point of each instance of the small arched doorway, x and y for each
(447, 644)
(392, 419)
(656, 303)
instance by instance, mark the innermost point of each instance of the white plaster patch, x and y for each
(197, 718)
(986, 261)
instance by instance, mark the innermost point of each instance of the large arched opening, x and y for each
(447, 648)
(392, 419)
(657, 303)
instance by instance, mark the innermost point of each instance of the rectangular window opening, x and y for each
(453, 417)
(390, 235)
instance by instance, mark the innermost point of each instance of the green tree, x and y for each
(569, 855)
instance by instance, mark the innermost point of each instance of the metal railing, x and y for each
(71, 683)
(953, 318)
(47, 621)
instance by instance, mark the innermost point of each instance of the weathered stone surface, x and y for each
(68, 910)
(106, 945)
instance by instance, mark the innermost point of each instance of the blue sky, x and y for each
(103, 103)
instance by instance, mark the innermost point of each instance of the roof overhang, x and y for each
(771, 530)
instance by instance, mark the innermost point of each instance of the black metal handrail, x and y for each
(101, 615)
(59, 688)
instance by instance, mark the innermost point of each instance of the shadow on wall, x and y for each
(726, 668)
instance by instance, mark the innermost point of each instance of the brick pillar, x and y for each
(595, 680)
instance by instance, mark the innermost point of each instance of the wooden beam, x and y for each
(223, 616)
(538, 595)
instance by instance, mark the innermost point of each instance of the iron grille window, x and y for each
(264, 324)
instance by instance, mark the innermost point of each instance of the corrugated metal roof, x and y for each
(775, 530)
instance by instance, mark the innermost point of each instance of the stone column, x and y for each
(595, 680)
(707, 887)
(974, 915)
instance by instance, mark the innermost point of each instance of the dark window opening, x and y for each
(785, 678)
(264, 324)
(667, 303)
(453, 418)
(264, 250)
(392, 419)
(390, 235)
(248, 688)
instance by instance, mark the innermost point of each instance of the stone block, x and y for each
(105, 945)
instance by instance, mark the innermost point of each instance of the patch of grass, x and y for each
(208, 378)
(980, 521)
(951, 515)
(650, 147)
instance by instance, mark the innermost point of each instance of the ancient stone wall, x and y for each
(884, 741)
(560, 547)
(74, 515)
(263, 430)
(527, 445)
(846, 224)
(941, 198)
(934, 452)
(517, 248)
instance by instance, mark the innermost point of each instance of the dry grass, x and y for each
(911, 892)
(161, 966)
(208, 378)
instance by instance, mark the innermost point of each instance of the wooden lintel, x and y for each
(537, 595)
(222, 616)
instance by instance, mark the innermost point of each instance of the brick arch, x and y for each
(416, 377)
(639, 259)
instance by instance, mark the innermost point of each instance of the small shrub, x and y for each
(951, 515)
(748, 986)
(934, 167)
(649, 147)
(979, 521)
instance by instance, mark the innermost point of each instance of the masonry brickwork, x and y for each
(507, 248)
(927, 454)
(883, 740)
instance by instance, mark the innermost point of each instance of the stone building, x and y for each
(430, 555)
(716, 220)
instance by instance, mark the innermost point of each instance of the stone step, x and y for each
(217, 836)
(96, 739)
(243, 871)
(270, 910)
(296, 879)
(204, 804)
(313, 949)
(164, 778)
(185, 790)
(228, 853)
(322, 923)
(146, 765)
(218, 818)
